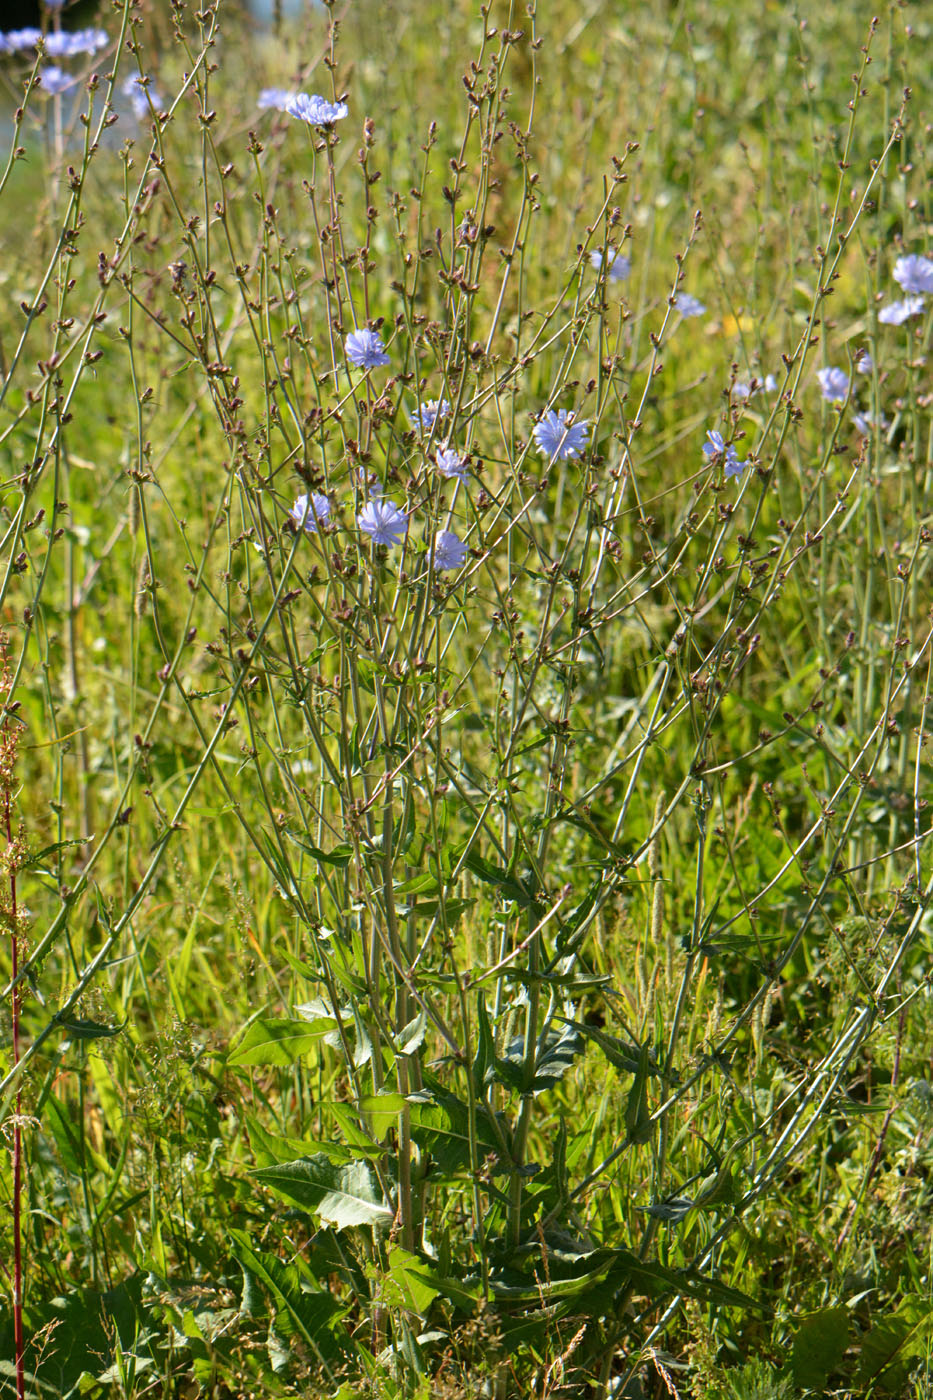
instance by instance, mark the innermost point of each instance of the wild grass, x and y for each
(502, 979)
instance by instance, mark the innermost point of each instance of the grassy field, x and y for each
(467, 639)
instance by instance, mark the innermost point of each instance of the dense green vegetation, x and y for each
(490, 962)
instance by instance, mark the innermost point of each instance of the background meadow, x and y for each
(465, 736)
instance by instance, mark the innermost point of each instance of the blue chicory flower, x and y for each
(309, 512)
(278, 98)
(716, 444)
(365, 349)
(688, 305)
(54, 80)
(449, 550)
(834, 384)
(716, 448)
(315, 110)
(15, 40)
(742, 391)
(900, 311)
(864, 423)
(559, 436)
(451, 464)
(383, 522)
(65, 43)
(914, 273)
(617, 265)
(427, 414)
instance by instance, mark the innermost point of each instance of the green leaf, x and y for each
(441, 1126)
(356, 1133)
(594, 832)
(341, 1195)
(675, 1208)
(109, 1096)
(270, 1149)
(719, 1188)
(619, 1054)
(419, 884)
(532, 1328)
(82, 1029)
(181, 965)
(65, 1133)
(277, 1041)
(317, 1009)
(566, 939)
(301, 1306)
(339, 856)
(430, 908)
(655, 1280)
(485, 1055)
(561, 1180)
(881, 1354)
(303, 969)
(411, 1037)
(382, 1110)
(405, 1285)
(465, 1296)
(819, 1344)
(536, 742)
(551, 1289)
(495, 875)
(555, 1058)
(888, 1350)
(351, 746)
(38, 860)
(251, 1300)
(83, 1330)
(637, 1116)
(363, 1052)
(689, 1282)
(278, 1350)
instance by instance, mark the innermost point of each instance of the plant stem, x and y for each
(8, 745)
